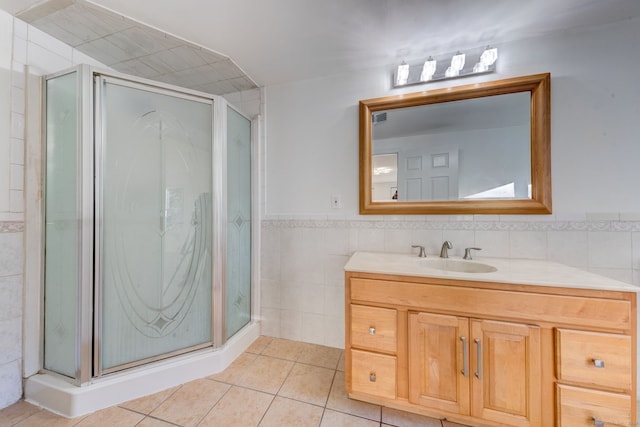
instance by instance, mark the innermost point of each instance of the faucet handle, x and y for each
(467, 252)
(422, 253)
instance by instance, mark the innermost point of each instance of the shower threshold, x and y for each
(61, 397)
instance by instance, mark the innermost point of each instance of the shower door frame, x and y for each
(88, 319)
(99, 80)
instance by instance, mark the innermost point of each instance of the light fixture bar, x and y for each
(448, 66)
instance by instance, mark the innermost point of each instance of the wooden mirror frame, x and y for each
(539, 85)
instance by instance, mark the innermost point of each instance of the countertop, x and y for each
(511, 271)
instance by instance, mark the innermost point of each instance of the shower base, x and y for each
(61, 397)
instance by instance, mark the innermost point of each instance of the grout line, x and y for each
(215, 404)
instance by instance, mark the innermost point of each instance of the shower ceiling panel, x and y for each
(130, 47)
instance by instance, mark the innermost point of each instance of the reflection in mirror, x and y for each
(469, 149)
(481, 148)
(385, 177)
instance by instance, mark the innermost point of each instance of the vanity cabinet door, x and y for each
(439, 362)
(506, 371)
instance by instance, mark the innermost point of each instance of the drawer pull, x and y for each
(598, 363)
(597, 422)
(465, 357)
(372, 330)
(372, 377)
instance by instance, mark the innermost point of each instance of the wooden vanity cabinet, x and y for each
(491, 354)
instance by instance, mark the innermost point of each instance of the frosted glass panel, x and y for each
(239, 221)
(62, 225)
(156, 225)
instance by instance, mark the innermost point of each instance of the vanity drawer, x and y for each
(577, 407)
(374, 328)
(373, 373)
(594, 359)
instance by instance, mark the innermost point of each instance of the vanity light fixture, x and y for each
(382, 170)
(449, 66)
(402, 76)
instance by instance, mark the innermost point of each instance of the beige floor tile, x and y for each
(265, 374)
(338, 419)
(239, 407)
(234, 371)
(154, 422)
(319, 355)
(310, 384)
(16, 413)
(112, 416)
(287, 412)
(341, 362)
(284, 349)
(46, 418)
(189, 404)
(339, 401)
(259, 344)
(146, 404)
(405, 419)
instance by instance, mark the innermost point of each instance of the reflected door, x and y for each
(428, 174)
(155, 233)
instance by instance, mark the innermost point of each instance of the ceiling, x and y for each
(278, 41)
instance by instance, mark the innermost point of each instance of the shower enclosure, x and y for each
(148, 220)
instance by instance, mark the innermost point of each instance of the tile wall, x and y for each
(302, 259)
(32, 53)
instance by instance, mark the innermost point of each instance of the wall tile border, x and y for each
(621, 226)
(611, 226)
(11, 226)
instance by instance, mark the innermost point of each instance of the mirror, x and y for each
(476, 149)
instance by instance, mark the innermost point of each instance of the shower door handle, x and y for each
(163, 222)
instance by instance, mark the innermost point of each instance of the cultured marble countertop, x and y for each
(512, 271)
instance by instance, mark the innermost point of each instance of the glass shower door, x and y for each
(238, 283)
(62, 225)
(155, 235)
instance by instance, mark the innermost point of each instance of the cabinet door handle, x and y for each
(372, 377)
(465, 357)
(598, 363)
(597, 422)
(479, 355)
(372, 330)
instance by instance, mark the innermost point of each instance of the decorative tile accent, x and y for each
(11, 226)
(615, 226)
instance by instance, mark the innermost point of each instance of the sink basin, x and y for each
(458, 266)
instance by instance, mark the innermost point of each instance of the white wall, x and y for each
(312, 154)
(312, 126)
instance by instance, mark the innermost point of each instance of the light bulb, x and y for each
(402, 75)
(489, 56)
(457, 61)
(428, 69)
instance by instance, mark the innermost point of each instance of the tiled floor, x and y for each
(275, 382)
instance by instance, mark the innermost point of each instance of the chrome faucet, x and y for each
(444, 252)
(422, 253)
